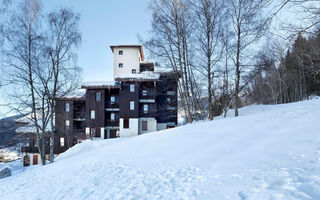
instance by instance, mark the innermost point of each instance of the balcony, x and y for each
(79, 131)
(112, 123)
(171, 93)
(79, 116)
(171, 108)
(112, 106)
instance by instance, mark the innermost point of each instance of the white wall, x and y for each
(130, 60)
(31, 158)
(152, 125)
(133, 129)
(102, 133)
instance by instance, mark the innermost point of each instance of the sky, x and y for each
(103, 23)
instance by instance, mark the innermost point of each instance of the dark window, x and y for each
(98, 96)
(144, 125)
(120, 52)
(134, 71)
(120, 65)
(125, 123)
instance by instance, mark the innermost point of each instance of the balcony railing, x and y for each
(112, 122)
(112, 104)
(80, 130)
(79, 115)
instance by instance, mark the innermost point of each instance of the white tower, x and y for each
(126, 59)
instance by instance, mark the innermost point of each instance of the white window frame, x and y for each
(132, 88)
(112, 116)
(144, 92)
(98, 96)
(92, 114)
(112, 99)
(67, 123)
(145, 108)
(61, 141)
(67, 107)
(131, 105)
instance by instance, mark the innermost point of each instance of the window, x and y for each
(126, 123)
(67, 107)
(169, 100)
(144, 125)
(112, 99)
(61, 142)
(144, 92)
(131, 87)
(145, 108)
(67, 123)
(120, 52)
(134, 71)
(92, 114)
(131, 105)
(120, 65)
(112, 116)
(98, 96)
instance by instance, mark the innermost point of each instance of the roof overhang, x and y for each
(112, 47)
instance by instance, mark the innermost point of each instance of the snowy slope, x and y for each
(269, 152)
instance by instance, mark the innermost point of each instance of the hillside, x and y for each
(8, 135)
(269, 152)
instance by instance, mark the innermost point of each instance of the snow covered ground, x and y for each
(269, 152)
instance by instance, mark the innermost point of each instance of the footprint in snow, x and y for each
(242, 195)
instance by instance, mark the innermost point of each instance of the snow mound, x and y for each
(268, 152)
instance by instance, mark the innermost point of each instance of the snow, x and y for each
(30, 126)
(79, 93)
(268, 152)
(98, 83)
(143, 75)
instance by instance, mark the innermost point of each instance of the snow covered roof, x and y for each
(77, 94)
(100, 84)
(146, 75)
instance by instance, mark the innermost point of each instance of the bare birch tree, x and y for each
(208, 15)
(64, 38)
(171, 42)
(248, 25)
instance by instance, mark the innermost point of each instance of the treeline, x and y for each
(296, 77)
(215, 45)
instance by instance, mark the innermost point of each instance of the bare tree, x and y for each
(248, 26)
(22, 49)
(64, 38)
(171, 43)
(209, 15)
